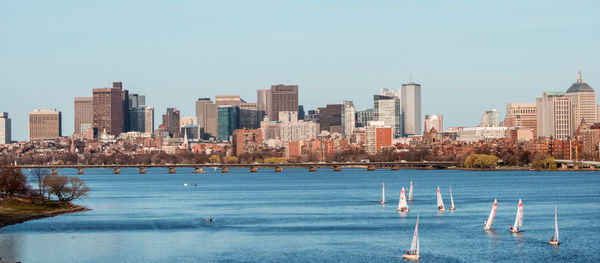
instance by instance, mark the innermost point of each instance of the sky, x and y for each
(467, 55)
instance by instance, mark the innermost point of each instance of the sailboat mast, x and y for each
(556, 223)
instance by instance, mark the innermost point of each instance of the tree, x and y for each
(66, 188)
(39, 174)
(481, 161)
(13, 181)
(548, 162)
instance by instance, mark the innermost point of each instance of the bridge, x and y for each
(198, 168)
(578, 163)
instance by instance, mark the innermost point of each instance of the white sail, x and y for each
(519, 218)
(451, 199)
(402, 205)
(490, 221)
(440, 202)
(414, 246)
(382, 193)
(410, 192)
(555, 224)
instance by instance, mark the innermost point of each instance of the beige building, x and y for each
(4, 128)
(45, 124)
(433, 122)
(584, 105)
(521, 116)
(475, 134)
(554, 116)
(84, 114)
(207, 117)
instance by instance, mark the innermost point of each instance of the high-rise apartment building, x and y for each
(283, 98)
(583, 102)
(554, 116)
(490, 118)
(246, 141)
(206, 114)
(521, 115)
(377, 136)
(5, 128)
(411, 108)
(263, 103)
(45, 124)
(331, 118)
(229, 119)
(348, 118)
(84, 114)
(388, 110)
(171, 122)
(435, 122)
(363, 117)
(108, 109)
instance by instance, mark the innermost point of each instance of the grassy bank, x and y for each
(14, 211)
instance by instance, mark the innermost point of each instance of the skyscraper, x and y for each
(411, 108)
(249, 116)
(521, 115)
(283, 98)
(108, 109)
(263, 103)
(583, 102)
(84, 114)
(229, 119)
(45, 124)
(363, 117)
(171, 122)
(141, 119)
(554, 115)
(124, 106)
(148, 119)
(206, 114)
(331, 118)
(348, 118)
(137, 113)
(5, 127)
(388, 110)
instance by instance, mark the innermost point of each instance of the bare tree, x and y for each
(65, 188)
(39, 174)
(12, 181)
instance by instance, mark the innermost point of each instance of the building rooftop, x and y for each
(580, 86)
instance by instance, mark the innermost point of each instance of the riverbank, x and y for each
(15, 211)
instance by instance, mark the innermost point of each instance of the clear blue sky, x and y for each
(466, 54)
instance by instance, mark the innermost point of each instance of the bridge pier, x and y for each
(171, 170)
(199, 170)
(117, 171)
(224, 170)
(142, 170)
(54, 171)
(312, 169)
(337, 169)
(80, 171)
(395, 168)
(278, 169)
(253, 169)
(371, 168)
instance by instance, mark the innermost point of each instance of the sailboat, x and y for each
(554, 239)
(382, 194)
(402, 205)
(440, 202)
(413, 252)
(410, 192)
(451, 199)
(490, 221)
(518, 219)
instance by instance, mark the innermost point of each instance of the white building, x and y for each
(584, 105)
(433, 122)
(5, 128)
(287, 129)
(348, 118)
(411, 108)
(475, 134)
(554, 116)
(388, 110)
(490, 118)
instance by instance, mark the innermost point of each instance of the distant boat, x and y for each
(490, 221)
(410, 192)
(554, 239)
(402, 205)
(440, 202)
(451, 200)
(413, 252)
(518, 219)
(382, 193)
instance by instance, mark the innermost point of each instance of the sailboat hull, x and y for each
(452, 208)
(554, 243)
(411, 257)
(487, 228)
(515, 231)
(382, 202)
(442, 209)
(403, 209)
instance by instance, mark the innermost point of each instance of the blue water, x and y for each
(297, 216)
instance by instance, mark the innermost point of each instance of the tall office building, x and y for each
(411, 108)
(45, 124)
(108, 109)
(348, 118)
(388, 110)
(301, 112)
(171, 122)
(229, 119)
(84, 114)
(554, 116)
(435, 122)
(221, 100)
(521, 115)
(263, 103)
(206, 115)
(490, 118)
(136, 100)
(4, 128)
(148, 119)
(363, 117)
(249, 116)
(331, 118)
(583, 102)
(141, 119)
(124, 106)
(283, 98)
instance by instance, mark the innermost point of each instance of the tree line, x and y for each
(44, 186)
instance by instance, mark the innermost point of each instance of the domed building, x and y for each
(584, 106)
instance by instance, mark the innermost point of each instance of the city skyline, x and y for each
(330, 59)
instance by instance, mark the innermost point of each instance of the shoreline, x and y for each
(29, 216)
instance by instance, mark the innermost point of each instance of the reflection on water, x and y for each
(324, 216)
